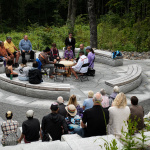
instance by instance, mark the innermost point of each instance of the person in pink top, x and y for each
(105, 102)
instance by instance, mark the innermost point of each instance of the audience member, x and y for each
(81, 49)
(35, 76)
(73, 120)
(62, 111)
(26, 47)
(113, 95)
(70, 41)
(96, 119)
(9, 126)
(23, 71)
(91, 56)
(73, 100)
(88, 103)
(54, 124)
(12, 50)
(68, 55)
(43, 57)
(78, 67)
(9, 69)
(137, 113)
(119, 114)
(54, 52)
(105, 102)
(30, 128)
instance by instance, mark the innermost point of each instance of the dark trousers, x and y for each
(31, 54)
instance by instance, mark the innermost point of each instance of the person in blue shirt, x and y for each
(88, 103)
(26, 47)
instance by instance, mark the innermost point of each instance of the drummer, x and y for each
(78, 67)
(68, 55)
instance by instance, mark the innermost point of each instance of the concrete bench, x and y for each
(44, 90)
(2, 68)
(131, 80)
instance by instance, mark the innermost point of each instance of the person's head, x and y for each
(9, 115)
(24, 62)
(9, 62)
(97, 99)
(103, 92)
(70, 35)
(81, 46)
(35, 64)
(8, 39)
(60, 100)
(90, 94)
(120, 100)
(71, 110)
(25, 37)
(134, 100)
(69, 48)
(1, 43)
(30, 114)
(81, 53)
(47, 50)
(73, 100)
(116, 89)
(54, 45)
(89, 49)
(54, 108)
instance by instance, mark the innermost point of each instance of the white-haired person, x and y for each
(113, 95)
(62, 111)
(118, 116)
(30, 128)
(105, 102)
(95, 120)
(88, 103)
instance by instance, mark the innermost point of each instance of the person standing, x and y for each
(91, 56)
(70, 41)
(12, 50)
(30, 128)
(26, 47)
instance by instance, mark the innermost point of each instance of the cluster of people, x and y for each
(47, 59)
(100, 115)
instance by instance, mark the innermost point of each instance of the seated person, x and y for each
(12, 50)
(26, 47)
(9, 69)
(105, 102)
(137, 113)
(68, 55)
(9, 126)
(72, 119)
(43, 57)
(81, 49)
(55, 53)
(3, 52)
(24, 71)
(30, 128)
(91, 56)
(35, 76)
(88, 103)
(78, 67)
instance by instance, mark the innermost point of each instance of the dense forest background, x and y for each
(121, 24)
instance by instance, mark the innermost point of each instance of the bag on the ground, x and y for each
(91, 72)
(115, 54)
(35, 76)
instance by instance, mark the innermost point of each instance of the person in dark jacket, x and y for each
(54, 124)
(35, 76)
(70, 41)
(30, 128)
(62, 111)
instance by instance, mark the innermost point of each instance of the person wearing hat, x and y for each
(91, 56)
(72, 119)
(95, 119)
(62, 111)
(30, 128)
(43, 57)
(12, 50)
(9, 126)
(88, 103)
(54, 124)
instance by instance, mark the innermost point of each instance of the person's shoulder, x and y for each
(5, 42)
(36, 119)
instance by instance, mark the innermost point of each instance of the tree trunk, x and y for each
(69, 9)
(93, 24)
(1, 26)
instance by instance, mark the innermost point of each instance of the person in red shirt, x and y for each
(54, 52)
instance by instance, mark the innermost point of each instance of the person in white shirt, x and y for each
(78, 67)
